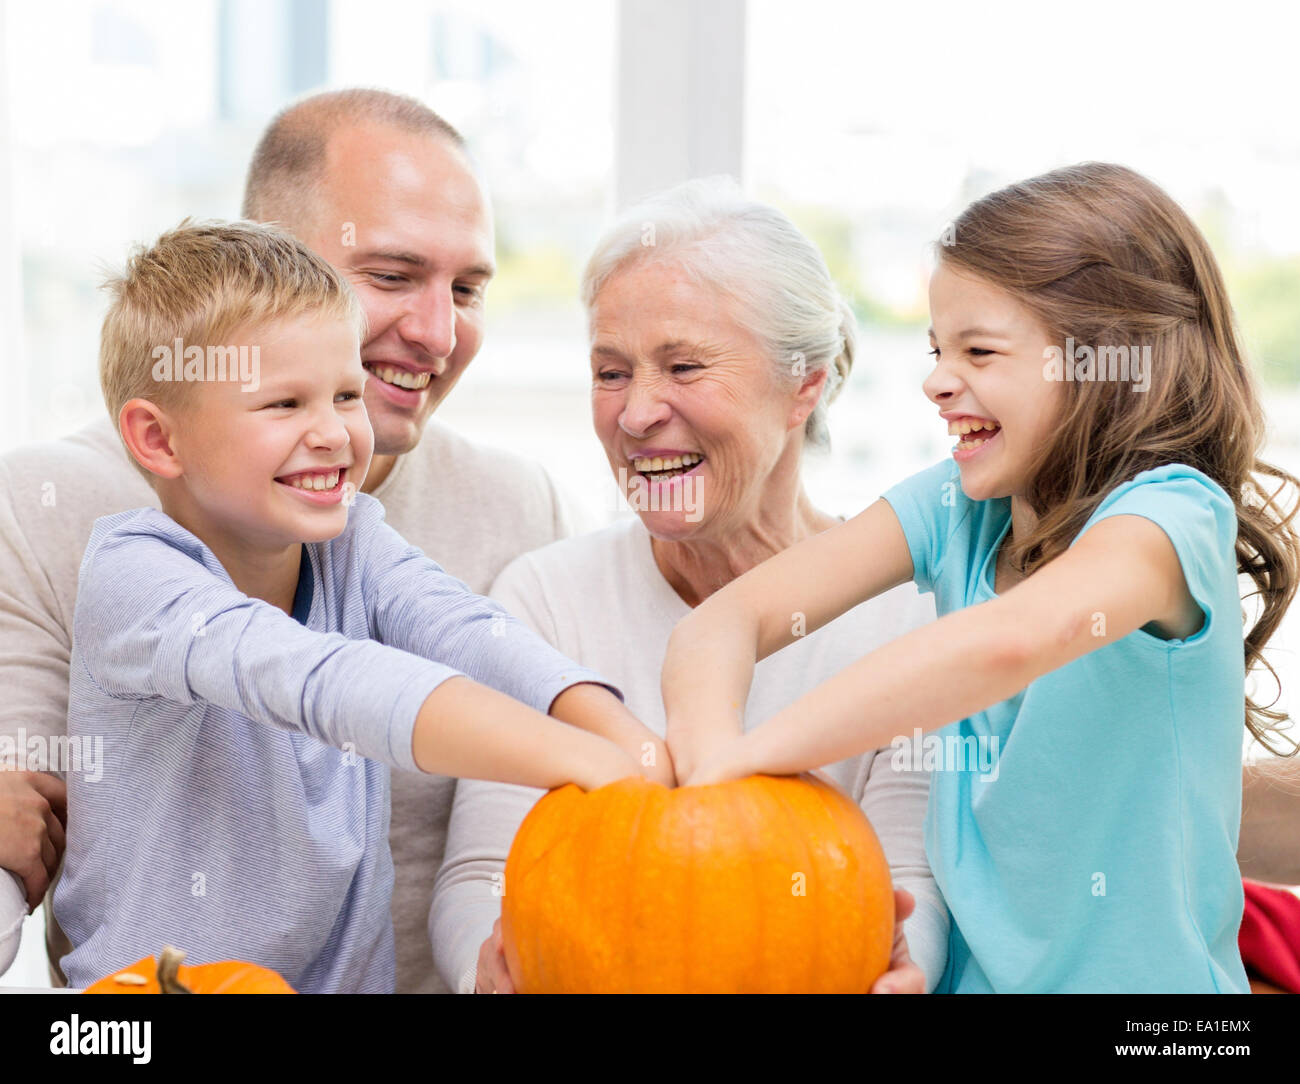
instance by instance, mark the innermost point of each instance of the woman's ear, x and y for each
(148, 432)
(810, 390)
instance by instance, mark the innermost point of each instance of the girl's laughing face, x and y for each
(988, 381)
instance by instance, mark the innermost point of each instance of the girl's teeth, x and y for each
(961, 428)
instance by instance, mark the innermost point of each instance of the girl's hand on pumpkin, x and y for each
(903, 976)
(33, 813)
(493, 975)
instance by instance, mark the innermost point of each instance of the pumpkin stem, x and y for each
(169, 965)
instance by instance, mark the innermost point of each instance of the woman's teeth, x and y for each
(660, 467)
(314, 481)
(400, 377)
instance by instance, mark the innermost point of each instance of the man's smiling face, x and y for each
(405, 220)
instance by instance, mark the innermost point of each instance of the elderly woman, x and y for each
(717, 341)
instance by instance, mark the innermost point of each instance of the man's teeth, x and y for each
(389, 375)
(314, 481)
(661, 463)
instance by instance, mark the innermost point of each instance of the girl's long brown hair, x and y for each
(1102, 255)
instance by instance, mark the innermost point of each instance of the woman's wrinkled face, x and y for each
(693, 420)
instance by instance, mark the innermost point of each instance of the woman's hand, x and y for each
(722, 761)
(33, 816)
(493, 975)
(903, 976)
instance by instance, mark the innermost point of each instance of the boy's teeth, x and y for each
(400, 377)
(315, 481)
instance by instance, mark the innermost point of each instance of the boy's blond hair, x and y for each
(201, 283)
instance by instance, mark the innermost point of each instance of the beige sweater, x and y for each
(471, 508)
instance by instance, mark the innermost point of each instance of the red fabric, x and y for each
(1270, 935)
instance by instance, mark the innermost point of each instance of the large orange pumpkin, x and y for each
(762, 885)
(167, 975)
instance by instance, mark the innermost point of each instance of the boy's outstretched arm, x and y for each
(973, 658)
(711, 654)
(593, 707)
(197, 638)
(474, 732)
(417, 606)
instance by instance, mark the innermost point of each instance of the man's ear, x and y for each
(148, 431)
(809, 393)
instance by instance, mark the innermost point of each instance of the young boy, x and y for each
(256, 656)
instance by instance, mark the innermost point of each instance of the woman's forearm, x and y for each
(708, 669)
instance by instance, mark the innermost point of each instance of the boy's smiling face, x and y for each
(244, 455)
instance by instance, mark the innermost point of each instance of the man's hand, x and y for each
(493, 975)
(33, 816)
(903, 976)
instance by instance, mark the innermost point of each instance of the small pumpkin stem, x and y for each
(169, 965)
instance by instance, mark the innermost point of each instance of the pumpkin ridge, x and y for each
(864, 850)
(778, 791)
(630, 882)
(740, 809)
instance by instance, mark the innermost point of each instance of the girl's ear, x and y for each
(809, 393)
(148, 432)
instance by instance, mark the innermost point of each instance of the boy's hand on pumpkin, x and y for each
(493, 976)
(33, 813)
(656, 761)
(594, 708)
(903, 976)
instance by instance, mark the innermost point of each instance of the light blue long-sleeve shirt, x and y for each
(242, 808)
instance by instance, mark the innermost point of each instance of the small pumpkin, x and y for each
(167, 975)
(760, 885)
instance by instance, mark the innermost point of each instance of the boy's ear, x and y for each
(147, 431)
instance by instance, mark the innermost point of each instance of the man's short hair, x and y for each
(289, 162)
(201, 283)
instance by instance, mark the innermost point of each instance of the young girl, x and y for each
(1083, 548)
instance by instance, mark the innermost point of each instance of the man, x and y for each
(1269, 847)
(381, 187)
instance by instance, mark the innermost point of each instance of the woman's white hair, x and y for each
(751, 252)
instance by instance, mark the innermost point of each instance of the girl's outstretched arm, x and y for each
(1122, 574)
(711, 654)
